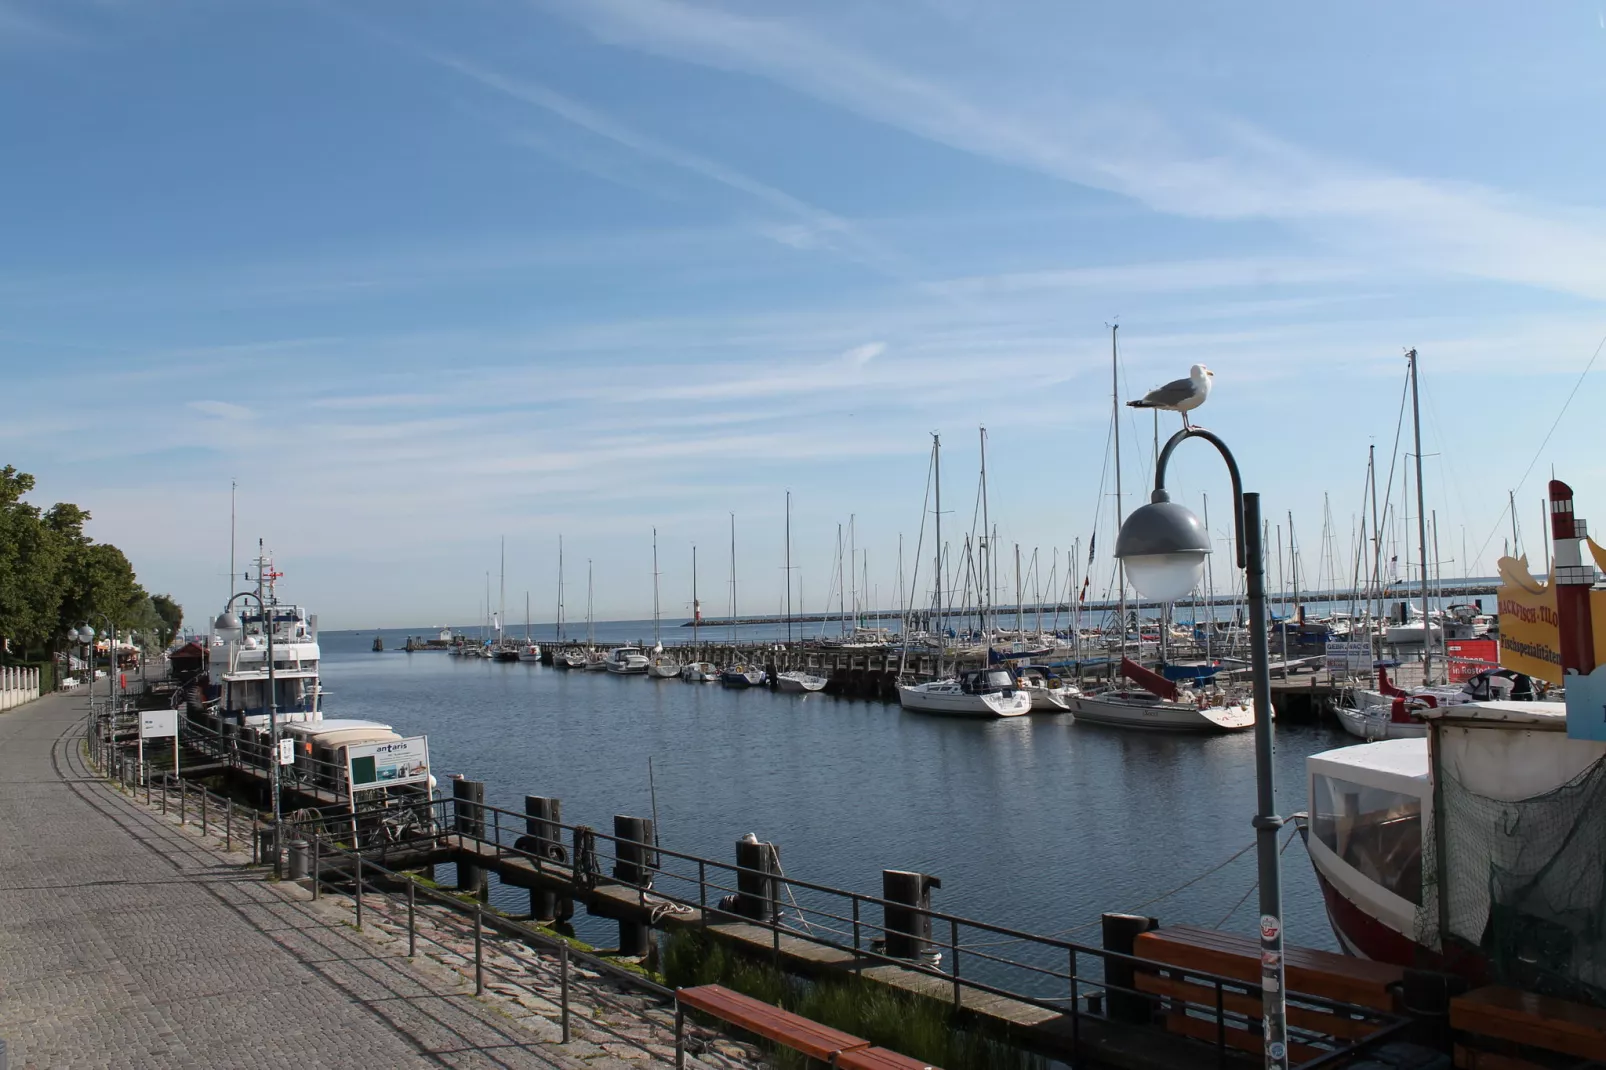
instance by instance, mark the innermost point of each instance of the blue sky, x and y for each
(420, 276)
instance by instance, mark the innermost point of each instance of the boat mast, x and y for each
(853, 561)
(1375, 602)
(558, 627)
(936, 469)
(841, 590)
(1422, 521)
(985, 573)
(1020, 625)
(501, 598)
(1511, 499)
(1210, 585)
(696, 606)
(657, 641)
(591, 633)
(526, 618)
(733, 577)
(1115, 419)
(789, 569)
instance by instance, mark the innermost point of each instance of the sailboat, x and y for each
(977, 693)
(794, 680)
(595, 660)
(697, 672)
(660, 666)
(530, 651)
(739, 674)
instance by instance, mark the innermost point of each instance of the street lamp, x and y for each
(86, 635)
(1163, 547)
(228, 622)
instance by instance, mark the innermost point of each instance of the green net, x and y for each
(1526, 885)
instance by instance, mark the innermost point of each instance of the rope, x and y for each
(1245, 897)
(586, 869)
(1146, 903)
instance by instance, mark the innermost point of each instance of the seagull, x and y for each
(1182, 396)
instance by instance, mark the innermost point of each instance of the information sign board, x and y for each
(155, 724)
(388, 765)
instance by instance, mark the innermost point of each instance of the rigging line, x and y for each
(1500, 520)
(1256, 884)
(1245, 849)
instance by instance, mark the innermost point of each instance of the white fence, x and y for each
(18, 686)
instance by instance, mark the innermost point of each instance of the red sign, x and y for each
(1469, 657)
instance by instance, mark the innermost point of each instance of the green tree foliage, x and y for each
(170, 613)
(54, 577)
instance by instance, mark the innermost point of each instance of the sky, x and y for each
(421, 277)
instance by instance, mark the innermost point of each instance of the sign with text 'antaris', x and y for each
(388, 765)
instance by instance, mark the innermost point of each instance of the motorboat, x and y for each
(626, 661)
(974, 693)
(296, 692)
(699, 672)
(1511, 818)
(1164, 705)
(798, 680)
(662, 666)
(530, 652)
(1049, 693)
(743, 676)
(1390, 712)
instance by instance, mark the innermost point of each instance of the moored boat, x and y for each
(626, 661)
(699, 672)
(743, 676)
(1049, 693)
(530, 652)
(1160, 704)
(799, 681)
(974, 693)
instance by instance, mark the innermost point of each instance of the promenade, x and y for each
(125, 942)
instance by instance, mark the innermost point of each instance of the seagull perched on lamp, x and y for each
(1183, 395)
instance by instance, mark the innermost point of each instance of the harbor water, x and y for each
(1031, 822)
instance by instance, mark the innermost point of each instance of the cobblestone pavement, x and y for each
(126, 942)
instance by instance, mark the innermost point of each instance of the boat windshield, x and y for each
(1376, 831)
(989, 680)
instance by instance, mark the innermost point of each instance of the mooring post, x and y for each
(543, 819)
(633, 861)
(757, 896)
(468, 798)
(907, 925)
(1121, 932)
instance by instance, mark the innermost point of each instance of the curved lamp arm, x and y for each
(1232, 466)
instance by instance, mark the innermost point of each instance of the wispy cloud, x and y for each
(223, 410)
(1217, 168)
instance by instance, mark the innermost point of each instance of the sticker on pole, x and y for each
(157, 724)
(1271, 927)
(1276, 1050)
(388, 765)
(287, 752)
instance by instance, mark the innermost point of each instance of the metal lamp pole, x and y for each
(1167, 534)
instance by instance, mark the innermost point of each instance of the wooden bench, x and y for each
(879, 1059)
(1524, 1020)
(831, 1046)
(1308, 971)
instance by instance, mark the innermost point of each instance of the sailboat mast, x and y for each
(733, 577)
(1421, 521)
(696, 606)
(1210, 585)
(1115, 419)
(841, 588)
(526, 618)
(1020, 627)
(788, 569)
(591, 632)
(853, 563)
(936, 469)
(501, 597)
(986, 542)
(558, 627)
(657, 641)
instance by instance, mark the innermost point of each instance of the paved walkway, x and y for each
(125, 942)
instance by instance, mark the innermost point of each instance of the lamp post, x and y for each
(228, 622)
(1164, 548)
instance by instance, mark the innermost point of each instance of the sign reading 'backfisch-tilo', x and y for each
(388, 765)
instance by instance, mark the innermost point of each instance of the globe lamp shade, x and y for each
(1163, 547)
(228, 622)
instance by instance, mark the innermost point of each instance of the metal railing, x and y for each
(1046, 972)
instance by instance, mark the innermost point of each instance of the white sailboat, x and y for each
(1049, 693)
(1163, 705)
(799, 680)
(795, 680)
(595, 660)
(975, 693)
(660, 666)
(697, 672)
(531, 650)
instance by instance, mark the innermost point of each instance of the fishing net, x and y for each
(1526, 885)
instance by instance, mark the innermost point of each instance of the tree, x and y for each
(171, 615)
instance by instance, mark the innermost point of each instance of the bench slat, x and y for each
(1204, 997)
(879, 1059)
(1542, 1022)
(1317, 973)
(770, 1022)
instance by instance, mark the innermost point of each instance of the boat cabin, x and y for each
(985, 681)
